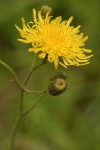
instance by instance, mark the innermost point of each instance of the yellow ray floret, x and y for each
(61, 43)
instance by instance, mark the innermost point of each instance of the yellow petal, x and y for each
(42, 55)
(69, 21)
(34, 16)
(56, 64)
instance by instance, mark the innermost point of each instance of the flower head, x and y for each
(58, 40)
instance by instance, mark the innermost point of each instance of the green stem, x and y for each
(35, 92)
(18, 81)
(34, 105)
(17, 123)
(23, 89)
(33, 68)
(12, 72)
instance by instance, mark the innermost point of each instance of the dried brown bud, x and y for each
(44, 9)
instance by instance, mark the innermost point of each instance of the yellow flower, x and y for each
(61, 43)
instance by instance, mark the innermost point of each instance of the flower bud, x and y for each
(57, 86)
(44, 9)
(59, 74)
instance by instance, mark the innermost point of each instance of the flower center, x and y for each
(53, 36)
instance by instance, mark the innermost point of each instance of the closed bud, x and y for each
(57, 86)
(59, 74)
(44, 9)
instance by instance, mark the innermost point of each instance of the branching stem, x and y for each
(34, 105)
(22, 86)
(23, 89)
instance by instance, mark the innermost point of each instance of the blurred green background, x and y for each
(70, 121)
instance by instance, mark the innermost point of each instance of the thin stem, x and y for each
(33, 68)
(23, 89)
(34, 92)
(17, 123)
(34, 105)
(12, 72)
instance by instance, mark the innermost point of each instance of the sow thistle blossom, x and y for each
(55, 39)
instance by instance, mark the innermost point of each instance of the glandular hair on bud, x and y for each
(44, 9)
(57, 86)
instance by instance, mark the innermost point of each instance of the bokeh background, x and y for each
(70, 121)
